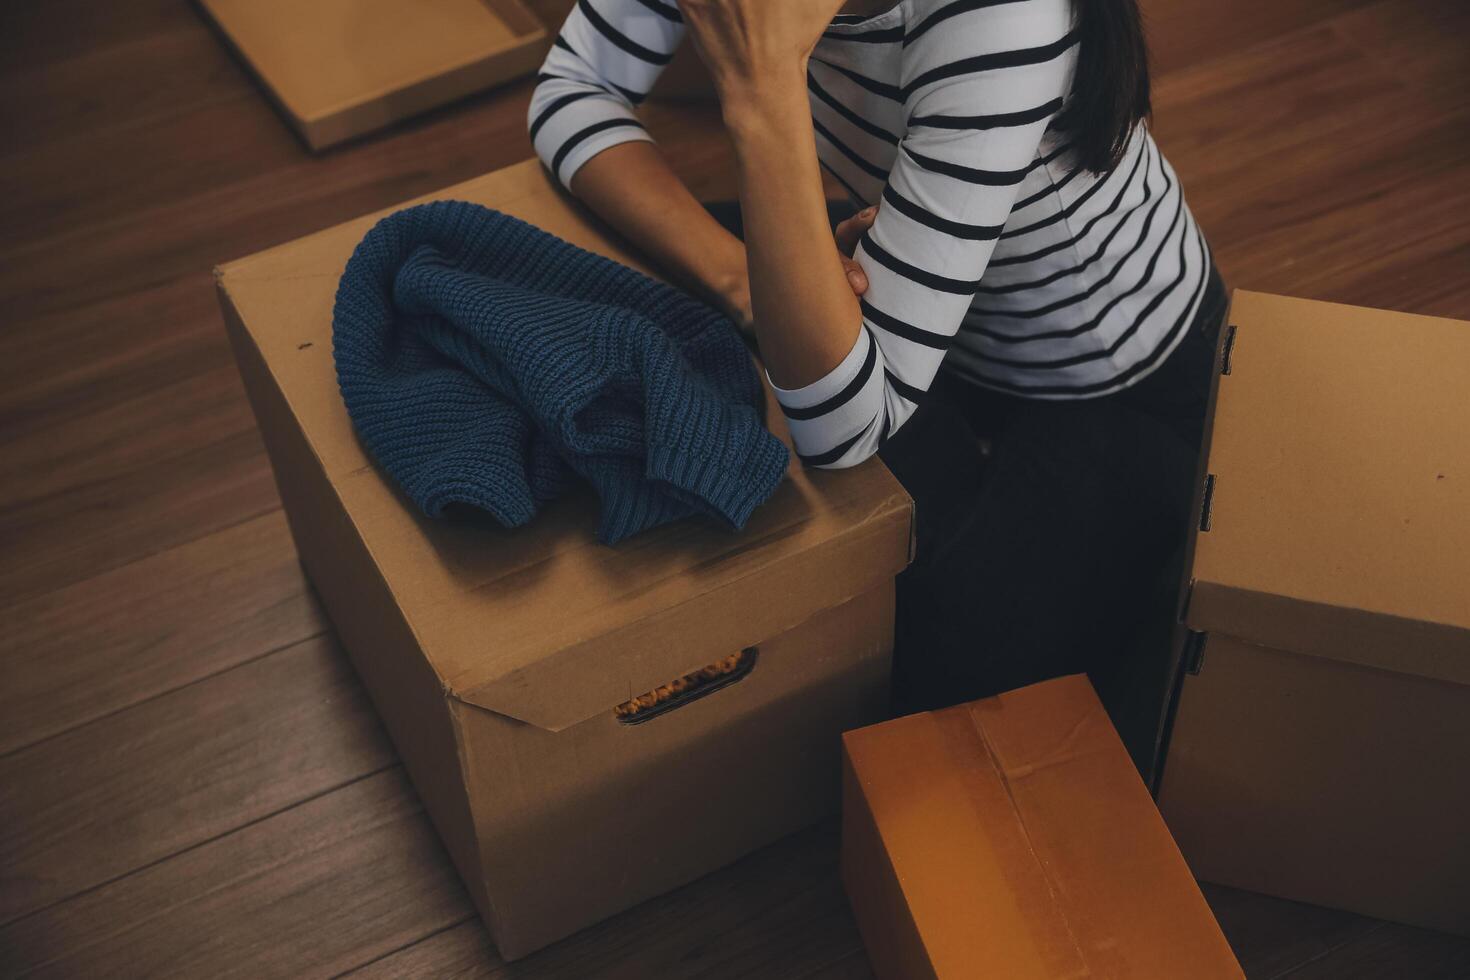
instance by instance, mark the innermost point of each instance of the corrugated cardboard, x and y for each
(1322, 731)
(341, 68)
(1012, 837)
(497, 657)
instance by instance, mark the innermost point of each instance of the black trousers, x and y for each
(1050, 533)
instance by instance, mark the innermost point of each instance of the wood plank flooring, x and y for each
(192, 782)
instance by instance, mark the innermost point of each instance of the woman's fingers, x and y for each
(848, 232)
(856, 278)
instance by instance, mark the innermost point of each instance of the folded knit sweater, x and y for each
(488, 363)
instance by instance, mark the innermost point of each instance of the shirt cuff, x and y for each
(594, 145)
(830, 383)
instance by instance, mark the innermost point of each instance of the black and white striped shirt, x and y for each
(991, 253)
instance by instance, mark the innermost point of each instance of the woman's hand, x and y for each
(847, 234)
(749, 45)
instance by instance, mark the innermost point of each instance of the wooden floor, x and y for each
(191, 781)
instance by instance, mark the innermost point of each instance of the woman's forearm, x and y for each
(632, 187)
(806, 316)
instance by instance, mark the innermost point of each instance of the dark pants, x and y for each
(1050, 533)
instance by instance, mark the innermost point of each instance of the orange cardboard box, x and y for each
(500, 659)
(341, 68)
(1321, 737)
(1013, 837)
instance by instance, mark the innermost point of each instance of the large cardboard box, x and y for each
(1321, 740)
(341, 68)
(499, 659)
(1013, 837)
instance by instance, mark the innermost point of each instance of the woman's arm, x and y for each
(582, 122)
(632, 187)
(805, 314)
(979, 85)
(584, 127)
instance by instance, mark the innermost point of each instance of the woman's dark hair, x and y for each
(1110, 90)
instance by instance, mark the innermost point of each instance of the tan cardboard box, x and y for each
(1321, 741)
(498, 658)
(341, 68)
(1012, 837)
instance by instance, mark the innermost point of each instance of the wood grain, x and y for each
(786, 897)
(1410, 40)
(1298, 198)
(122, 517)
(310, 891)
(1390, 950)
(191, 782)
(99, 88)
(103, 800)
(77, 654)
(1271, 935)
(1186, 33)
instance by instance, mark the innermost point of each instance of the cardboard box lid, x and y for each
(321, 58)
(1337, 508)
(1026, 844)
(543, 623)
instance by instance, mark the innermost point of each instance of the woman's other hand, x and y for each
(847, 234)
(750, 44)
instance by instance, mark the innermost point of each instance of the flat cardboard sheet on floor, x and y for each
(341, 68)
(1321, 738)
(1012, 837)
(497, 657)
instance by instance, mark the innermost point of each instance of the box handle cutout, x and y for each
(1209, 498)
(1227, 349)
(691, 687)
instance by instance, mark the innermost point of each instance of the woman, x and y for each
(1020, 323)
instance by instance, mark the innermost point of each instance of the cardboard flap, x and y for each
(1336, 520)
(543, 623)
(548, 626)
(602, 626)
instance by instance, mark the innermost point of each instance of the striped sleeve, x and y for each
(980, 82)
(606, 57)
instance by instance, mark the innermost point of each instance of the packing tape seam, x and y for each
(1051, 884)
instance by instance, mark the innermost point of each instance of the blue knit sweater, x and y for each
(486, 362)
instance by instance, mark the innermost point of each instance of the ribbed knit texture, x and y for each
(486, 362)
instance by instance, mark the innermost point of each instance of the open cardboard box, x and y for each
(341, 68)
(498, 658)
(1320, 744)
